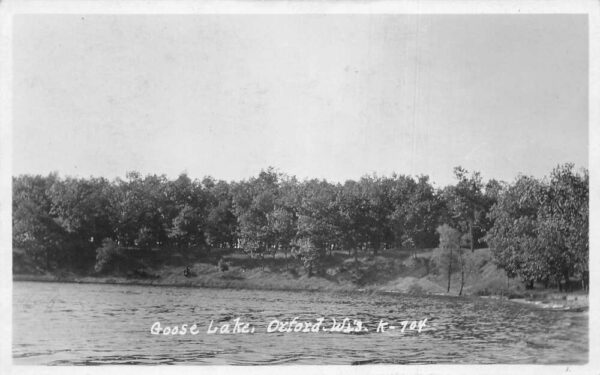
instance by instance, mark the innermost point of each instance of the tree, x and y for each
(540, 229)
(308, 253)
(564, 221)
(421, 212)
(448, 249)
(492, 192)
(83, 208)
(253, 202)
(466, 203)
(536, 229)
(35, 229)
(317, 219)
(141, 210)
(513, 237)
(417, 211)
(378, 207)
(187, 227)
(283, 224)
(355, 219)
(107, 256)
(221, 223)
(409, 243)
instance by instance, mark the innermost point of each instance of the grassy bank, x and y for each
(390, 271)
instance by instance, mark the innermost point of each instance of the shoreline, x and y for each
(544, 299)
(212, 283)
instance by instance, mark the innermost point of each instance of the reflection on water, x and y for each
(89, 324)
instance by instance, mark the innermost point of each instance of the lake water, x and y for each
(88, 324)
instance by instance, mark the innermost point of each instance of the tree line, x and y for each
(536, 228)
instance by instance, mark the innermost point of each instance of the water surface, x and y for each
(88, 324)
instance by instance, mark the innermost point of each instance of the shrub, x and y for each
(107, 255)
(416, 289)
(222, 266)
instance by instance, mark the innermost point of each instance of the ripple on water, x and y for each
(93, 324)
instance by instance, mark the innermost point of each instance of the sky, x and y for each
(315, 96)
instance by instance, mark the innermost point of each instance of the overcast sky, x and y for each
(326, 96)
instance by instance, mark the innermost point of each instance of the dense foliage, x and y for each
(537, 229)
(540, 230)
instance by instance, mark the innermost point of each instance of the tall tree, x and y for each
(35, 229)
(221, 223)
(355, 220)
(564, 221)
(513, 237)
(253, 202)
(83, 208)
(449, 249)
(466, 202)
(317, 222)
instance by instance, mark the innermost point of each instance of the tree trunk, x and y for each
(529, 285)
(472, 238)
(449, 270)
(462, 272)
(567, 282)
